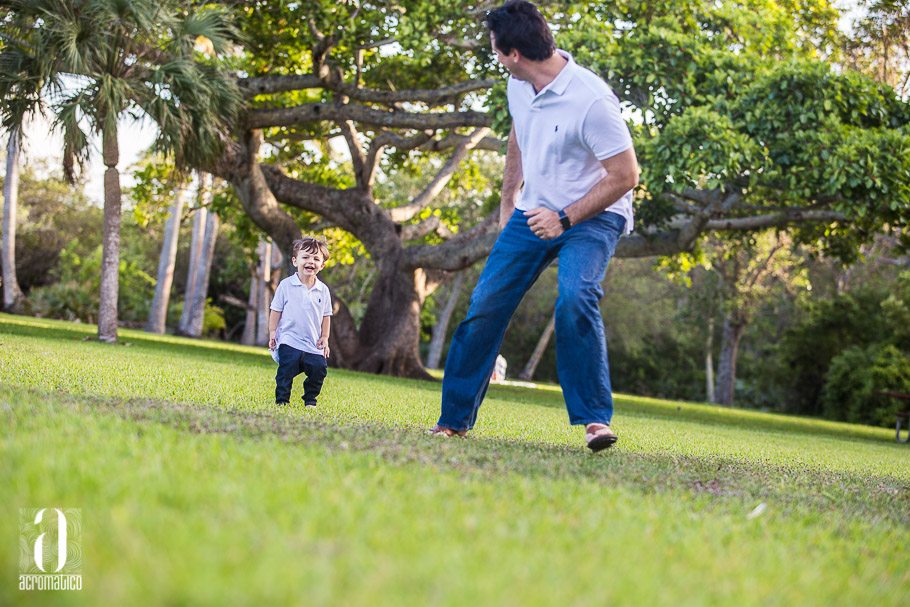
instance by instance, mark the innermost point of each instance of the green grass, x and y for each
(195, 489)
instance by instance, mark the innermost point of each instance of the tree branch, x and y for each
(458, 253)
(357, 158)
(770, 221)
(269, 85)
(336, 112)
(388, 138)
(403, 213)
(419, 230)
(491, 144)
(265, 85)
(318, 199)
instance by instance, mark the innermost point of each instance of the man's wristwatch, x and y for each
(564, 220)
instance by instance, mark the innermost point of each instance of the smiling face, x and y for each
(308, 264)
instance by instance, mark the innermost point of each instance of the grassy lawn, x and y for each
(195, 489)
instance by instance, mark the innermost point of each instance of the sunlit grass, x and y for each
(196, 489)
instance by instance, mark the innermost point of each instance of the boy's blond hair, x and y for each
(311, 244)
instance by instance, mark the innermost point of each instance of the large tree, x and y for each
(95, 61)
(738, 126)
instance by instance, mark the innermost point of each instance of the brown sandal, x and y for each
(601, 438)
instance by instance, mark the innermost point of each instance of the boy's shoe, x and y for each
(309, 405)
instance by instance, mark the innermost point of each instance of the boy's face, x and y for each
(308, 263)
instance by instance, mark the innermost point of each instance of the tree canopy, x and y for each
(740, 122)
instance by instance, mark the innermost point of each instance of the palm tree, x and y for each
(92, 62)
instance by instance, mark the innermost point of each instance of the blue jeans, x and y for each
(291, 363)
(517, 259)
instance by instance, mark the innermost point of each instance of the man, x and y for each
(573, 152)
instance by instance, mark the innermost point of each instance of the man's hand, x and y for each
(544, 222)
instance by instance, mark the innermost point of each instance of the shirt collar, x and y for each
(559, 84)
(295, 281)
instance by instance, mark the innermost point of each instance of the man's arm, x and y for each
(622, 176)
(274, 317)
(512, 178)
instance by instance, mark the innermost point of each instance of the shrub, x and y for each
(76, 294)
(856, 378)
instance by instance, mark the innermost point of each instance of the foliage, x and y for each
(52, 216)
(157, 183)
(74, 294)
(879, 45)
(824, 328)
(110, 57)
(857, 377)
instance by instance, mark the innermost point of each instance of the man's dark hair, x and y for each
(519, 25)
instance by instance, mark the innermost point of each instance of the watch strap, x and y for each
(564, 220)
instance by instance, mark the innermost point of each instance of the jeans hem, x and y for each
(454, 427)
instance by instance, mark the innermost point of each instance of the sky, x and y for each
(135, 136)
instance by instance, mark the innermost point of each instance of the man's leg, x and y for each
(517, 259)
(288, 369)
(314, 365)
(581, 347)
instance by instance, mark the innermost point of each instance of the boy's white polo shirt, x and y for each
(563, 132)
(302, 310)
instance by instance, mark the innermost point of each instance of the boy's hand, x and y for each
(272, 343)
(323, 344)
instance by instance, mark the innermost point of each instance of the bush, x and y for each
(76, 294)
(823, 330)
(856, 377)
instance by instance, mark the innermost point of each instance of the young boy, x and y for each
(299, 323)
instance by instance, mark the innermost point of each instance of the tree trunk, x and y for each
(389, 336)
(110, 252)
(442, 324)
(252, 312)
(709, 361)
(204, 265)
(200, 217)
(528, 372)
(726, 369)
(265, 296)
(12, 294)
(158, 314)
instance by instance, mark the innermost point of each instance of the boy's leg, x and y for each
(288, 369)
(581, 346)
(315, 367)
(516, 261)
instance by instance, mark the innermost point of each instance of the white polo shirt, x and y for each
(302, 310)
(563, 132)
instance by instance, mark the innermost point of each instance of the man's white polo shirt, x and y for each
(301, 310)
(563, 132)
